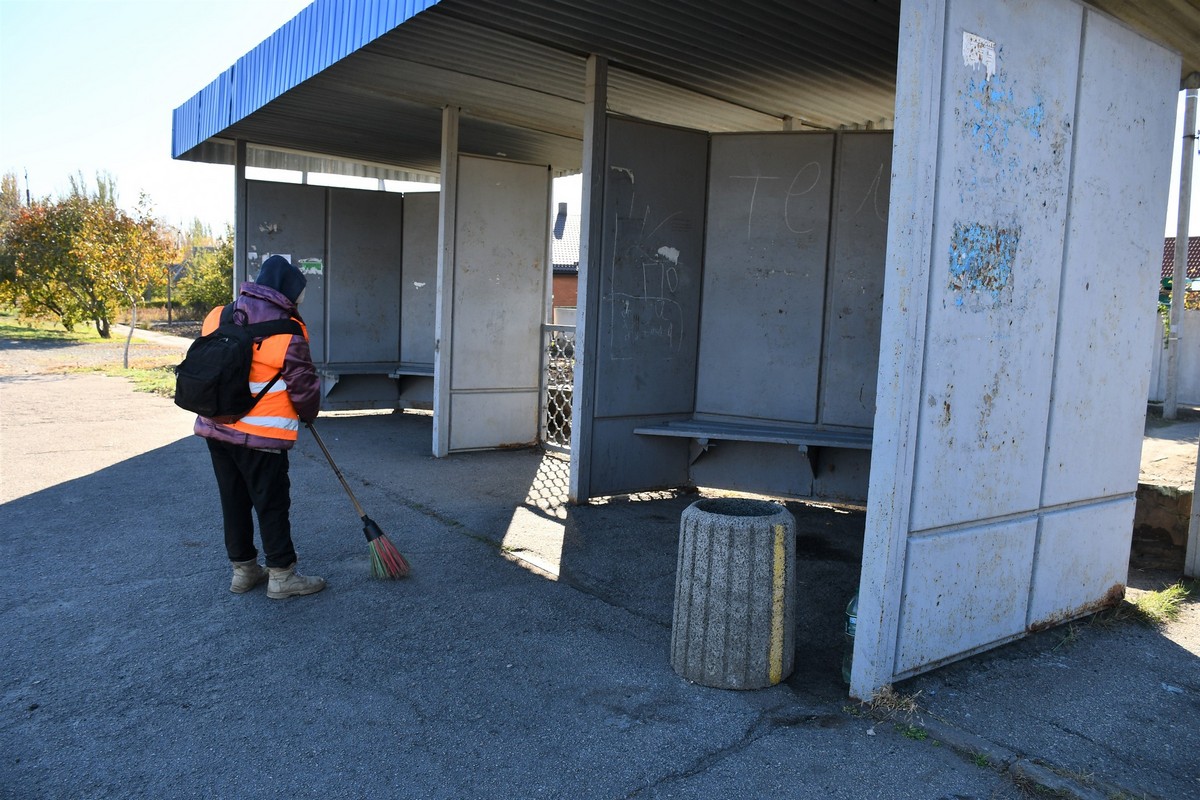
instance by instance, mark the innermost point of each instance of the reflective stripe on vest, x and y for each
(274, 416)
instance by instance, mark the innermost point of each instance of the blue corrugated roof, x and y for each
(319, 36)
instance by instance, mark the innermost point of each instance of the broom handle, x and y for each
(336, 471)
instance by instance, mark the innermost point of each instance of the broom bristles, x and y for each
(386, 560)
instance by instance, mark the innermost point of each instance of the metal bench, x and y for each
(331, 373)
(810, 439)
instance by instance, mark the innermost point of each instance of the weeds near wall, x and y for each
(1159, 608)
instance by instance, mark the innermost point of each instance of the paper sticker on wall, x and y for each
(979, 52)
(310, 266)
(981, 261)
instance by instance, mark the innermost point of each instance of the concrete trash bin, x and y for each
(735, 594)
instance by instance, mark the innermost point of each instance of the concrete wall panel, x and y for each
(290, 220)
(491, 419)
(500, 274)
(418, 291)
(623, 462)
(1189, 360)
(964, 590)
(647, 304)
(854, 309)
(754, 467)
(363, 280)
(765, 256)
(652, 255)
(1123, 135)
(1008, 307)
(1082, 561)
(999, 224)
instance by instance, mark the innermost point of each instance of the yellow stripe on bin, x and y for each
(778, 585)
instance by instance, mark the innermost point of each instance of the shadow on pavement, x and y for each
(528, 654)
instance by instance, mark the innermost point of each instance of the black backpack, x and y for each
(214, 378)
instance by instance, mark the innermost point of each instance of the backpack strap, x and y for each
(227, 314)
(273, 327)
(261, 330)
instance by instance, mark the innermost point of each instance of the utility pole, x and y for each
(1191, 84)
(1179, 277)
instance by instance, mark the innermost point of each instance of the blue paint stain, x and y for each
(995, 113)
(981, 259)
(1034, 117)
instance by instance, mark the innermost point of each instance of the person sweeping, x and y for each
(250, 455)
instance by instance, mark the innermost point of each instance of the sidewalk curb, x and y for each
(1017, 766)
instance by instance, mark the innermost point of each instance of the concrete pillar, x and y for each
(241, 230)
(443, 323)
(1179, 277)
(591, 236)
(735, 594)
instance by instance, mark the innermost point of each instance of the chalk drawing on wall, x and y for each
(644, 276)
(873, 196)
(802, 183)
(981, 263)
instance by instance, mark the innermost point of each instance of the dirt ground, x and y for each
(34, 357)
(1169, 452)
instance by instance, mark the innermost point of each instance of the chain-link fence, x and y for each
(558, 381)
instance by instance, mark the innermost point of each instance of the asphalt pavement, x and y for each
(527, 656)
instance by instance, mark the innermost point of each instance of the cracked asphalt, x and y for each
(527, 656)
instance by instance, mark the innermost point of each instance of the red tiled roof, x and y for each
(1193, 257)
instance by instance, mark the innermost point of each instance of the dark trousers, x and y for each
(253, 479)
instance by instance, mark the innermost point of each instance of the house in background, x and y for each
(1193, 271)
(565, 254)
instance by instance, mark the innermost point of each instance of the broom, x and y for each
(386, 560)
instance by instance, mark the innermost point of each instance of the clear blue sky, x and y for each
(89, 85)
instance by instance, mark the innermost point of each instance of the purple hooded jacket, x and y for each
(262, 303)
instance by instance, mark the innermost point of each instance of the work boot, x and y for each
(246, 575)
(286, 582)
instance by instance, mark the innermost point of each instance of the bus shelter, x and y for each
(897, 253)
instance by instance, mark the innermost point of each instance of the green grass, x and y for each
(159, 380)
(1150, 608)
(1159, 608)
(14, 329)
(913, 732)
(151, 376)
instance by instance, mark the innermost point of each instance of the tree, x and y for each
(197, 234)
(132, 252)
(10, 199)
(39, 273)
(209, 279)
(81, 258)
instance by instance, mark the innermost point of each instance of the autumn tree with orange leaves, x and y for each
(82, 259)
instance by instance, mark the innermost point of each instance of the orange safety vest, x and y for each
(273, 416)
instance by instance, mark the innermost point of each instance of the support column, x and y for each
(591, 237)
(1179, 276)
(444, 311)
(241, 233)
(902, 349)
(1191, 86)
